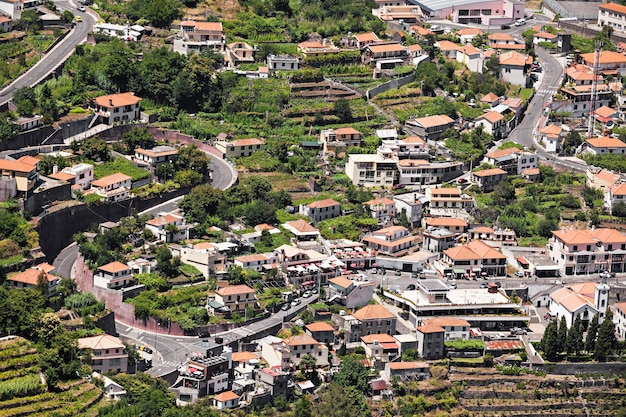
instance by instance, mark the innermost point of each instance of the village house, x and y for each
(448, 49)
(195, 37)
(438, 239)
(579, 98)
(340, 139)
(421, 172)
(226, 400)
(79, 175)
(601, 179)
(430, 341)
(303, 230)
(404, 371)
(393, 241)
(31, 277)
(412, 205)
(455, 328)
(118, 108)
(108, 353)
(487, 179)
(114, 187)
(552, 137)
(542, 36)
(604, 144)
(609, 61)
(493, 237)
(512, 160)
(584, 299)
(475, 258)
(240, 147)
(283, 62)
(514, 67)
(380, 348)
(321, 210)
(382, 209)
(615, 195)
(471, 57)
(309, 49)
(371, 319)
(17, 177)
(467, 35)
(453, 224)
(385, 55)
(169, 228)
(321, 331)
(257, 261)
(430, 127)
(449, 202)
(288, 353)
(350, 291)
(411, 147)
(361, 40)
(238, 53)
(492, 123)
(236, 297)
(588, 251)
(157, 155)
(114, 275)
(205, 256)
(371, 170)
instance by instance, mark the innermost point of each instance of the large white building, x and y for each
(494, 12)
(371, 170)
(584, 299)
(613, 15)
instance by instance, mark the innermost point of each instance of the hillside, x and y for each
(23, 390)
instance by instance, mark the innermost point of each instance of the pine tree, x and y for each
(606, 341)
(574, 339)
(592, 331)
(562, 334)
(549, 342)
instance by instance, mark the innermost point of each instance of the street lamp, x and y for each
(155, 340)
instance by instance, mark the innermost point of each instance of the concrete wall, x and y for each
(36, 201)
(25, 139)
(57, 228)
(395, 83)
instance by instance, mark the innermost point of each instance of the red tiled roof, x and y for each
(320, 326)
(117, 100)
(373, 312)
(234, 290)
(114, 267)
(110, 180)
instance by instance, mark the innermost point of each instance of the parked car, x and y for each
(520, 22)
(461, 180)
(398, 272)
(410, 287)
(285, 307)
(453, 285)
(483, 285)
(296, 302)
(505, 26)
(81, 8)
(306, 294)
(519, 274)
(516, 331)
(414, 274)
(498, 284)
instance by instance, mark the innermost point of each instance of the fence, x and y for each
(395, 83)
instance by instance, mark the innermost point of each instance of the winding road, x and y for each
(55, 57)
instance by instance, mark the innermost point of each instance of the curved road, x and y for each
(56, 56)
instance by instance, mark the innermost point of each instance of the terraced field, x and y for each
(486, 392)
(24, 392)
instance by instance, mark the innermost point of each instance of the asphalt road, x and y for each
(56, 56)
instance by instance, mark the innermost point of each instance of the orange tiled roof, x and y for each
(346, 131)
(489, 172)
(390, 47)
(367, 37)
(300, 339)
(502, 152)
(329, 202)
(341, 281)
(114, 267)
(320, 326)
(9, 165)
(606, 57)
(570, 237)
(31, 276)
(163, 220)
(491, 116)
(606, 142)
(445, 222)
(489, 98)
(501, 36)
(380, 338)
(448, 322)
(436, 120)
(234, 290)
(302, 226)
(247, 142)
(117, 100)
(226, 396)
(513, 58)
(110, 180)
(373, 312)
(396, 366)
(613, 7)
(448, 46)
(381, 200)
(430, 328)
(209, 26)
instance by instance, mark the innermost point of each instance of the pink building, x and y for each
(494, 12)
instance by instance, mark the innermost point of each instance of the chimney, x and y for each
(111, 102)
(55, 169)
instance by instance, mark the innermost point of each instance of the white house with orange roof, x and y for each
(302, 229)
(612, 15)
(585, 299)
(108, 353)
(287, 354)
(30, 278)
(339, 139)
(226, 400)
(471, 57)
(415, 51)
(578, 74)
(407, 370)
(606, 116)
(514, 66)
(449, 202)
(17, 177)
(114, 275)
(80, 174)
(615, 195)
(169, 227)
(258, 261)
(608, 63)
(118, 108)
(499, 38)
(114, 187)
(601, 179)
(382, 209)
(321, 331)
(240, 147)
(430, 127)
(467, 35)
(552, 137)
(393, 240)
(453, 224)
(487, 179)
(588, 251)
(361, 40)
(473, 259)
(384, 53)
(321, 210)
(236, 297)
(604, 144)
(495, 236)
(157, 155)
(543, 36)
(380, 348)
(448, 49)
(350, 291)
(514, 161)
(205, 256)
(492, 123)
(316, 48)
(490, 98)
(194, 36)
(455, 327)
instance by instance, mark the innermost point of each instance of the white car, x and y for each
(519, 274)
(453, 285)
(81, 8)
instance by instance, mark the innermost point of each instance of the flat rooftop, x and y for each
(478, 296)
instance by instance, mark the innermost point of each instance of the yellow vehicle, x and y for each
(78, 19)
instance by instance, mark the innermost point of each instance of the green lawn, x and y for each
(11, 260)
(120, 165)
(525, 93)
